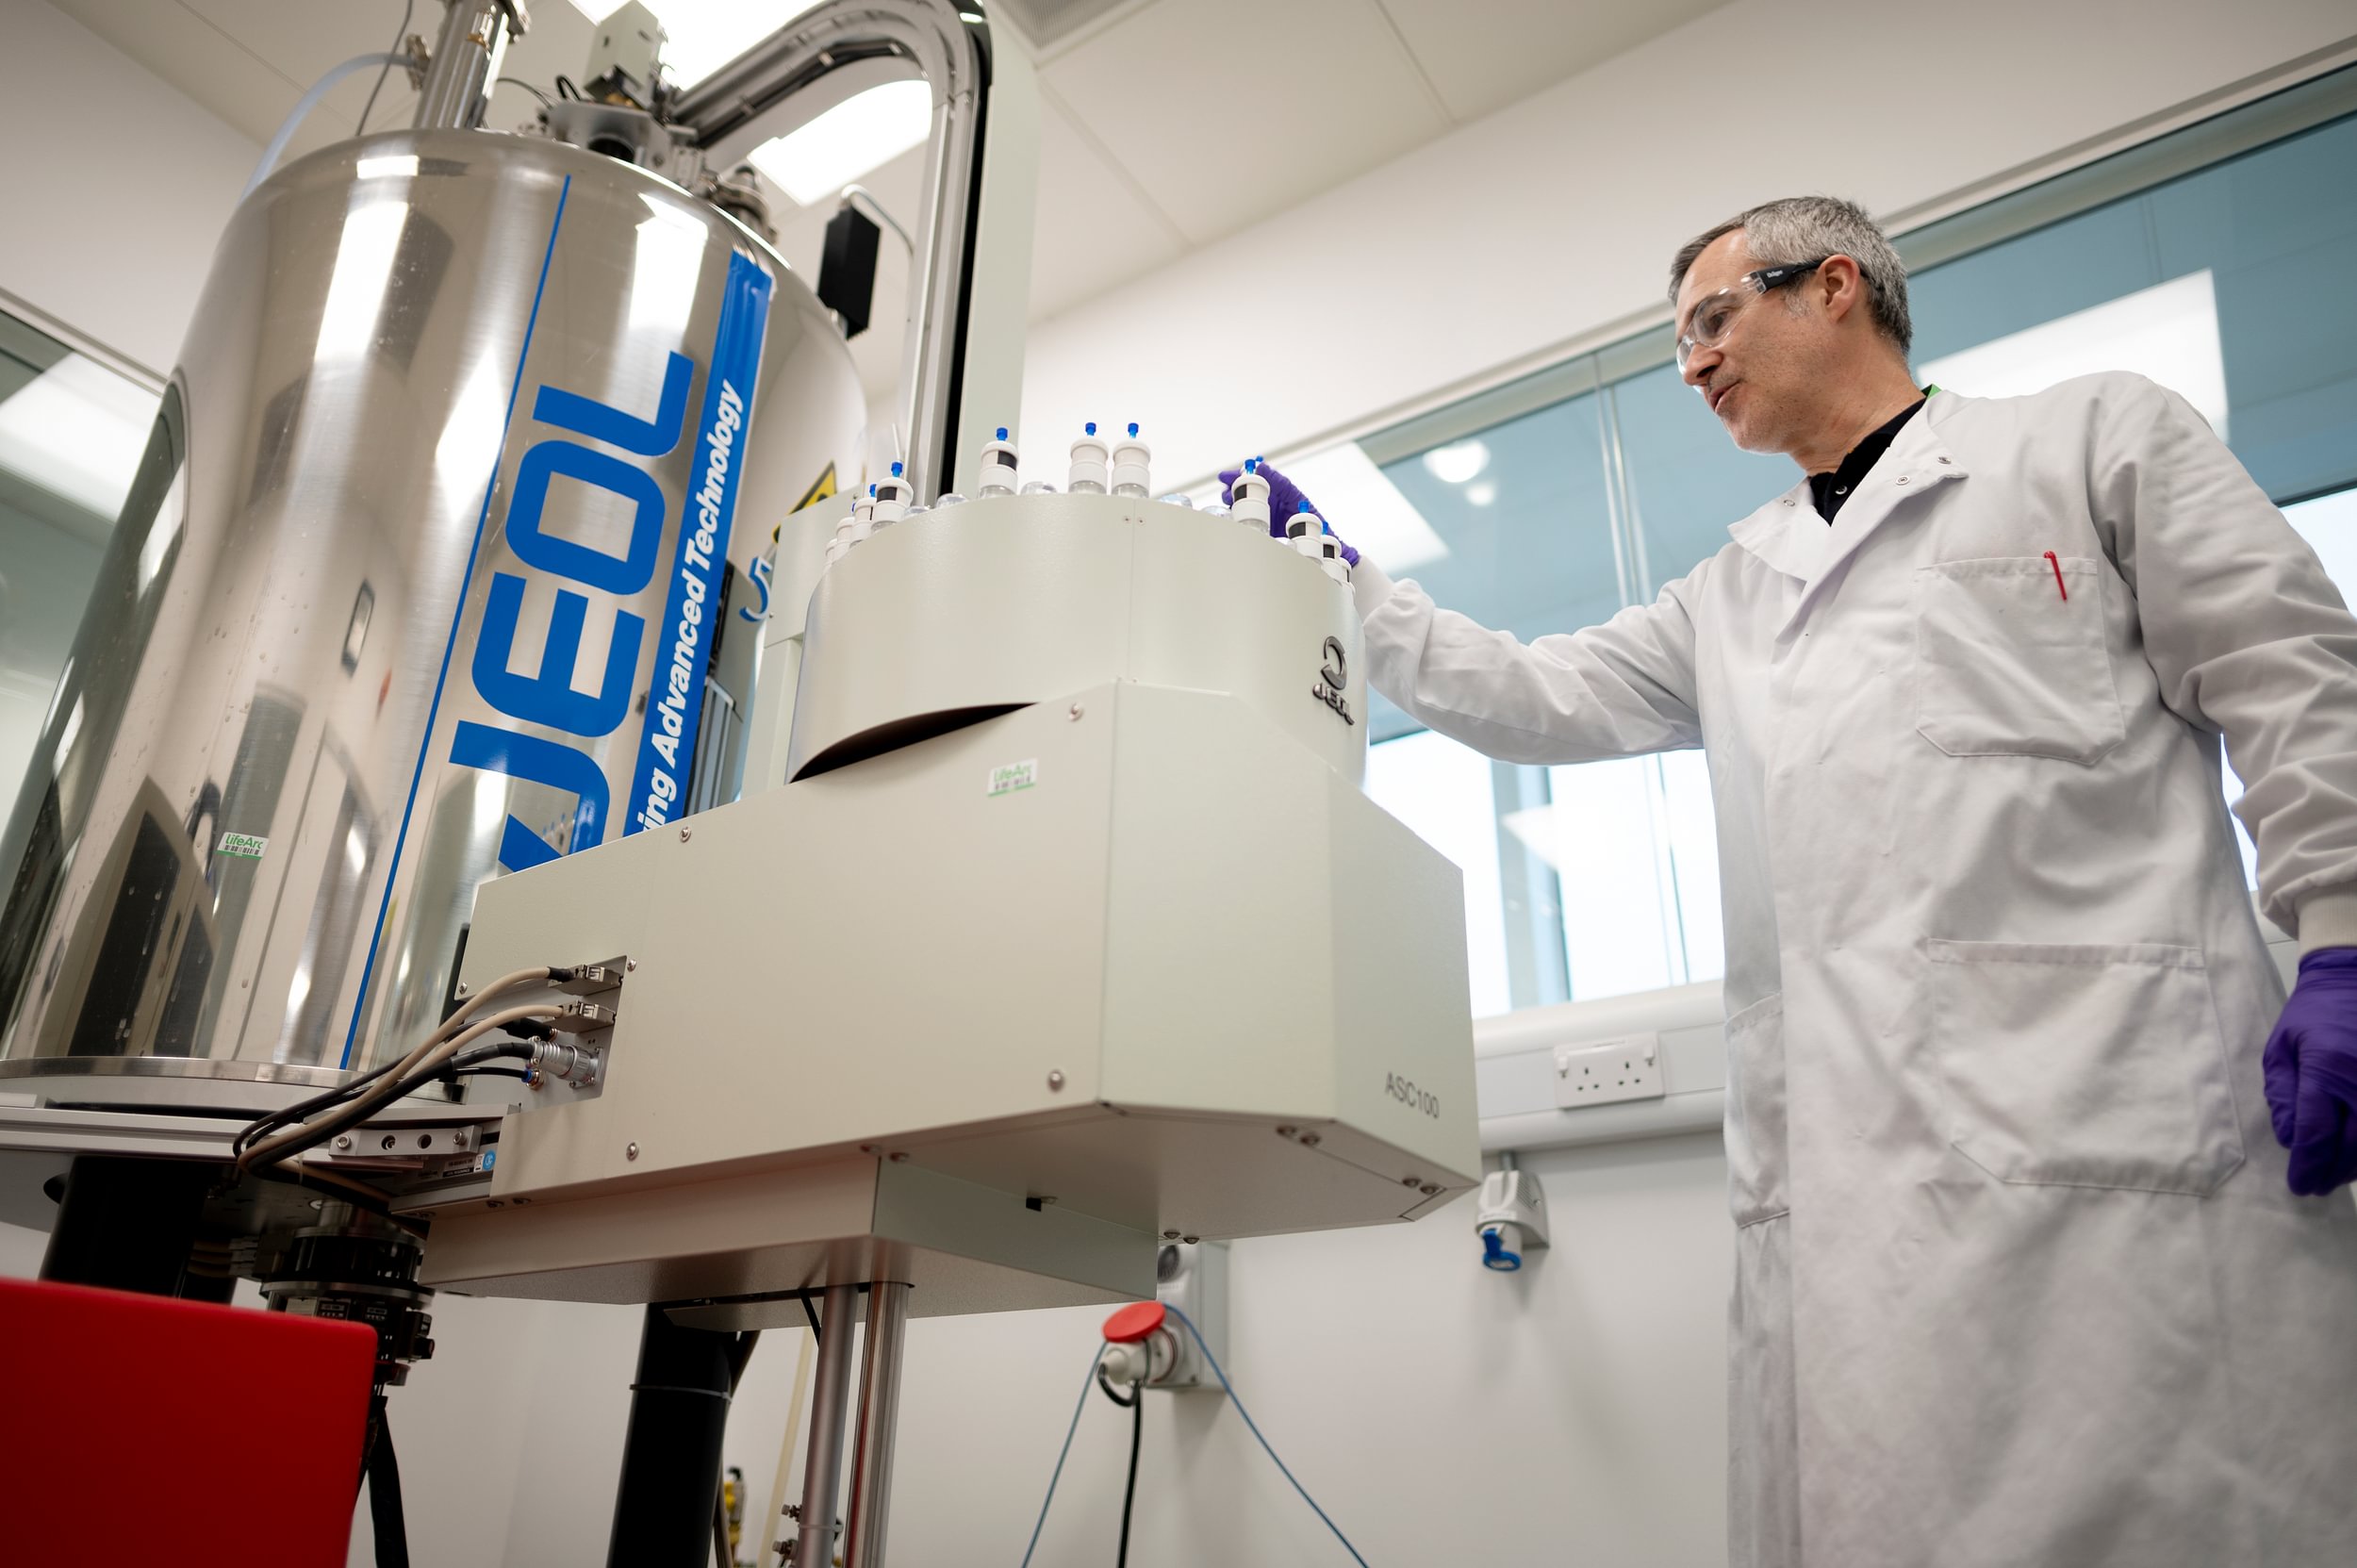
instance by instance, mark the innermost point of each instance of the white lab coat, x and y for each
(2018, 1281)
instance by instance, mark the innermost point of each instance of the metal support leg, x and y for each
(879, 1416)
(823, 1466)
(678, 1412)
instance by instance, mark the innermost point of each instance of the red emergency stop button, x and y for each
(1136, 1323)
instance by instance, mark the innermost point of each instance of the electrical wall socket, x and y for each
(1193, 1277)
(1610, 1070)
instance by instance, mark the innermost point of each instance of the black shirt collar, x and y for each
(1829, 490)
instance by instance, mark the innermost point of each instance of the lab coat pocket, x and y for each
(2089, 1066)
(1756, 1113)
(2011, 659)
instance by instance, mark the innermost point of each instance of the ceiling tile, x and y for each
(1482, 55)
(195, 56)
(1094, 231)
(1225, 111)
(301, 42)
(249, 61)
(1157, 130)
(1047, 22)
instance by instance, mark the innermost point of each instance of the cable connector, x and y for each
(588, 980)
(573, 1065)
(583, 1017)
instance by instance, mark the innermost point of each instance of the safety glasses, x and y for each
(1713, 316)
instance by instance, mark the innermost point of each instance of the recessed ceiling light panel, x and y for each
(1456, 462)
(850, 139)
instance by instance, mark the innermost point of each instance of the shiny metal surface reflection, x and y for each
(434, 377)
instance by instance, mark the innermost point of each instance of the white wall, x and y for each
(1554, 220)
(1574, 1412)
(113, 188)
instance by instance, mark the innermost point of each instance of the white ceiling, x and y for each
(1165, 125)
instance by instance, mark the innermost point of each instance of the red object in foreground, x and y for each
(135, 1428)
(1135, 1322)
(2058, 581)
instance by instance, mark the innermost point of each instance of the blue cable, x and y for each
(1217, 1371)
(1221, 1373)
(1066, 1449)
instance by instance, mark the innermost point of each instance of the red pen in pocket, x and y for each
(2058, 581)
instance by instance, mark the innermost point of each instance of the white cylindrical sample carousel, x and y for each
(1005, 602)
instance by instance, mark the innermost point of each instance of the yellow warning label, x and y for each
(820, 487)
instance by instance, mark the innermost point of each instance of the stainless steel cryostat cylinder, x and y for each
(423, 575)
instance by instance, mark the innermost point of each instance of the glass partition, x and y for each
(1547, 505)
(71, 430)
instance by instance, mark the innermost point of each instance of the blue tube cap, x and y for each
(1493, 1253)
(1002, 433)
(896, 470)
(1089, 429)
(1133, 427)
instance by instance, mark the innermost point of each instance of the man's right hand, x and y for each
(1285, 501)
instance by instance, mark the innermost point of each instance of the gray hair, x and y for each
(1803, 228)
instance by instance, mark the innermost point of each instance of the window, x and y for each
(71, 430)
(2214, 260)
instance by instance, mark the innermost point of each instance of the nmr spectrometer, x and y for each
(513, 823)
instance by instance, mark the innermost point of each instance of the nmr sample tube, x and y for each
(1130, 457)
(998, 460)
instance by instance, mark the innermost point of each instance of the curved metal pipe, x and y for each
(948, 45)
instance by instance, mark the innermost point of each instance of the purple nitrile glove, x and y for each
(1285, 501)
(2310, 1067)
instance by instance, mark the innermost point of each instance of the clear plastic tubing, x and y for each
(1130, 459)
(998, 462)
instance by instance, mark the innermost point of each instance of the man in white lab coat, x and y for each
(2021, 1275)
